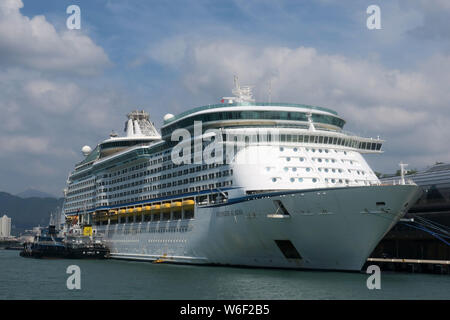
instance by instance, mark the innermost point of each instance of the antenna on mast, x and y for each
(241, 94)
(236, 82)
(402, 172)
(270, 90)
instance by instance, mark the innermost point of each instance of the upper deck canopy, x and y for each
(242, 104)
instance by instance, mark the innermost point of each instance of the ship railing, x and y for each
(396, 182)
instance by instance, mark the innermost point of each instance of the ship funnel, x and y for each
(138, 124)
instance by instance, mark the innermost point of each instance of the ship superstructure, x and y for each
(260, 184)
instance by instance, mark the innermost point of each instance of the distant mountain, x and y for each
(26, 213)
(33, 193)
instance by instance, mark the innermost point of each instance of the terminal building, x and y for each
(424, 233)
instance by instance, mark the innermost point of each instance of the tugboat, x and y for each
(47, 244)
(75, 241)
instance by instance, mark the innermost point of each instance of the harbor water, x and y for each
(27, 278)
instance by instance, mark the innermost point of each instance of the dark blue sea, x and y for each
(27, 278)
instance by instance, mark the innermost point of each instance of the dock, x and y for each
(411, 265)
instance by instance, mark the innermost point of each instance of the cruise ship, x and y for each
(239, 183)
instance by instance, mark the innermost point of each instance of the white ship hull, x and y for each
(332, 229)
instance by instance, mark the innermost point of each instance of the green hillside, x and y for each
(26, 213)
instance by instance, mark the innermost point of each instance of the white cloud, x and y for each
(47, 114)
(374, 99)
(52, 96)
(36, 44)
(24, 144)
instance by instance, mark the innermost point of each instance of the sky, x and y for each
(61, 89)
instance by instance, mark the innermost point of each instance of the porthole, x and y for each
(320, 160)
(320, 150)
(294, 169)
(292, 179)
(274, 179)
(314, 180)
(295, 149)
(281, 149)
(326, 169)
(286, 168)
(300, 179)
(288, 159)
(302, 159)
(333, 181)
(313, 150)
(308, 169)
(334, 170)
